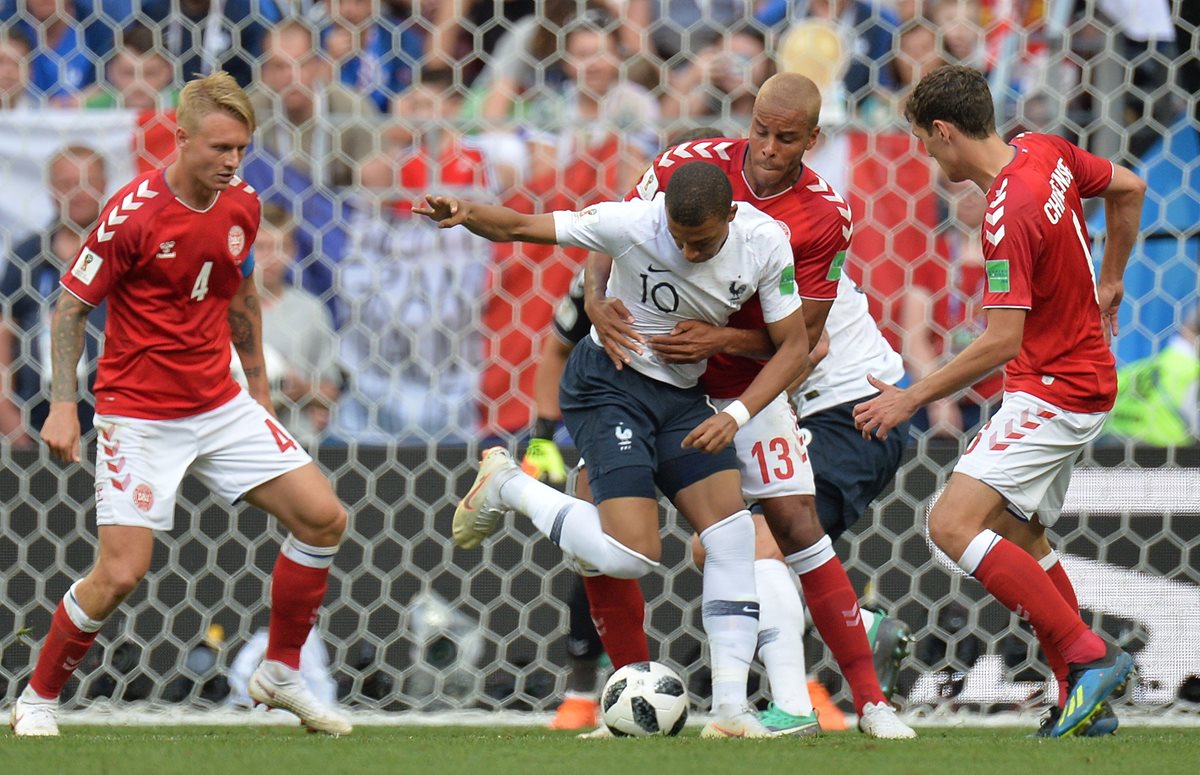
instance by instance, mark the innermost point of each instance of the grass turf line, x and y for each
(268, 750)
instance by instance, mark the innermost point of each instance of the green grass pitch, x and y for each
(268, 750)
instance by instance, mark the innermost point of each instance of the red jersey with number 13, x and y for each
(1036, 257)
(814, 217)
(168, 272)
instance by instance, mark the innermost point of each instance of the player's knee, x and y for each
(794, 524)
(118, 581)
(944, 531)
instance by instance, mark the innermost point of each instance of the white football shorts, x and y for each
(772, 455)
(231, 449)
(1026, 452)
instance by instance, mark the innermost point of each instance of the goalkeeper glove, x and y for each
(544, 462)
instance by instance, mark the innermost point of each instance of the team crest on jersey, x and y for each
(786, 231)
(237, 241)
(86, 266)
(143, 497)
(166, 249)
(736, 290)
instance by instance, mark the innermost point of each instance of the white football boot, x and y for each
(278, 686)
(34, 715)
(880, 720)
(479, 513)
(731, 721)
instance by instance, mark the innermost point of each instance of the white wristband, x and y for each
(738, 411)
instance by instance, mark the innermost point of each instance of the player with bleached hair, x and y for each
(1049, 320)
(171, 255)
(691, 253)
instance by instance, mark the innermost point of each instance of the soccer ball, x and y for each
(642, 699)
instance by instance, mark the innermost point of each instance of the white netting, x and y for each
(431, 337)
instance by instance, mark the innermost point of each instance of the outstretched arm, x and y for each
(498, 224)
(245, 331)
(998, 344)
(1123, 215)
(61, 429)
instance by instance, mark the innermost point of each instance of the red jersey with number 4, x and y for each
(1036, 257)
(814, 217)
(168, 272)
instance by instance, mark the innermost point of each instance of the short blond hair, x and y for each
(218, 91)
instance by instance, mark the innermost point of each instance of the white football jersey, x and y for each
(661, 288)
(856, 348)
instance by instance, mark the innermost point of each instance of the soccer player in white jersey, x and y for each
(1049, 320)
(171, 254)
(767, 169)
(689, 254)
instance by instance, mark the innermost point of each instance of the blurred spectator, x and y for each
(299, 328)
(688, 26)
(138, 75)
(204, 36)
(594, 104)
(941, 313)
(869, 31)
(1158, 398)
(919, 54)
(410, 294)
(526, 60)
(958, 26)
(373, 53)
(76, 179)
(317, 128)
(722, 80)
(465, 32)
(69, 37)
(14, 70)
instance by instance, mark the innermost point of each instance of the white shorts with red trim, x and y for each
(1026, 452)
(772, 455)
(231, 449)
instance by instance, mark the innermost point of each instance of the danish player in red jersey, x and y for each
(1049, 320)
(767, 170)
(171, 254)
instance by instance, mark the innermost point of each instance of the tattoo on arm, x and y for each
(66, 345)
(245, 320)
(241, 331)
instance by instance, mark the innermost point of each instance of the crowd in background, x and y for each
(380, 328)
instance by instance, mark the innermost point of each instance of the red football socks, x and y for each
(61, 654)
(834, 609)
(619, 612)
(1014, 578)
(1062, 582)
(296, 594)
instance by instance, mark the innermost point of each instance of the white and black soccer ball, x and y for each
(643, 699)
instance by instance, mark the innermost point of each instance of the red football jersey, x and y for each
(1035, 247)
(169, 273)
(815, 218)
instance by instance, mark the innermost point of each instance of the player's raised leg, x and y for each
(304, 502)
(123, 559)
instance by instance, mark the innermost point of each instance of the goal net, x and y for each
(428, 340)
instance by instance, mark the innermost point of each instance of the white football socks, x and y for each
(730, 609)
(781, 636)
(573, 525)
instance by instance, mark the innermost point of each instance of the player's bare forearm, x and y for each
(245, 331)
(66, 345)
(492, 222)
(595, 276)
(1123, 216)
(790, 338)
(548, 375)
(816, 312)
(999, 344)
